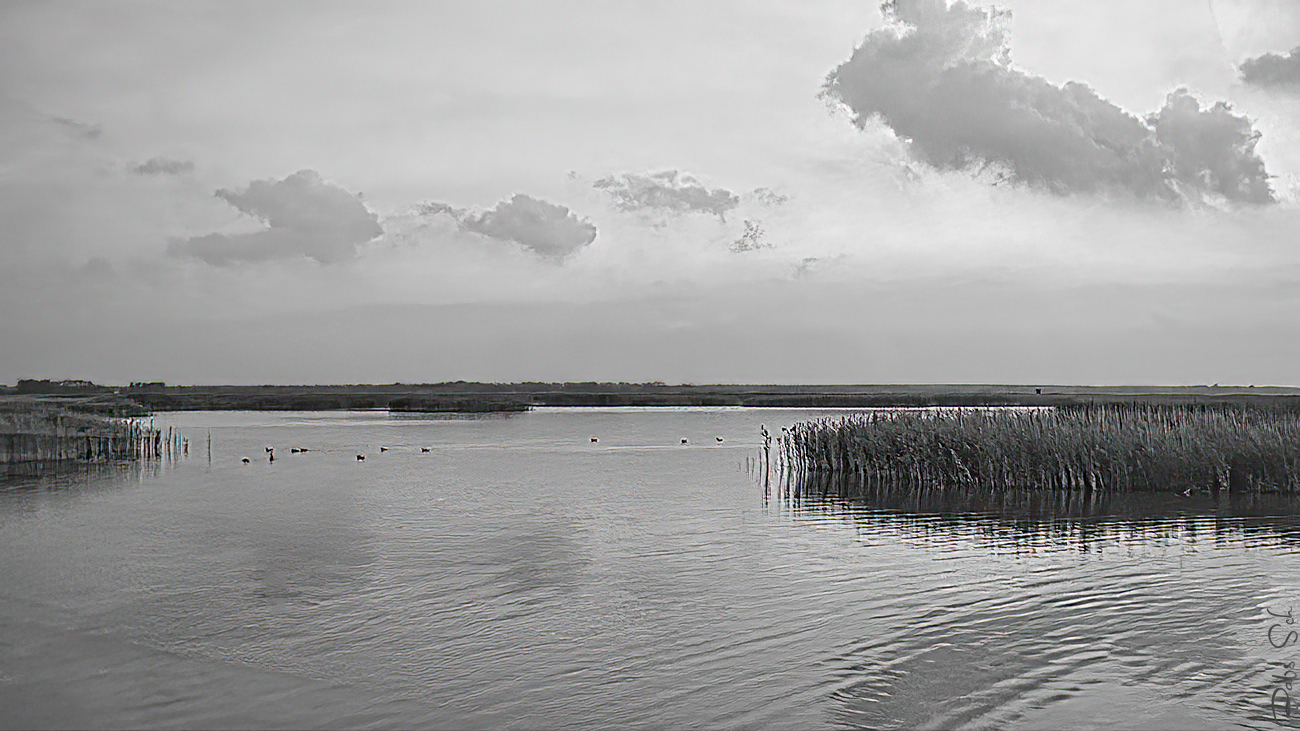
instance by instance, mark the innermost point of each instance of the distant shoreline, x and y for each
(469, 397)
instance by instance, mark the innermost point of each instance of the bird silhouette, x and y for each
(246, 460)
(593, 439)
(383, 449)
(361, 457)
(424, 449)
(685, 442)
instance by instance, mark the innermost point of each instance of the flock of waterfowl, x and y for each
(270, 451)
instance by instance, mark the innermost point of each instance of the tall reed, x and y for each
(1119, 447)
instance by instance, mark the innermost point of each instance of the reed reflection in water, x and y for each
(1063, 608)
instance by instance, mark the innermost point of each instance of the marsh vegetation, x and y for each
(1174, 448)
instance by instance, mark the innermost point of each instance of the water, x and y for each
(520, 576)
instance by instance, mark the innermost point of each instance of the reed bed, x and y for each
(1111, 447)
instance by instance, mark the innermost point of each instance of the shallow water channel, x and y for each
(520, 575)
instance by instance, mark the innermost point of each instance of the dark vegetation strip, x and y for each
(467, 396)
(1112, 447)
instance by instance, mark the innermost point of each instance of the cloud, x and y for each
(941, 78)
(1273, 70)
(433, 208)
(545, 228)
(768, 198)
(163, 166)
(305, 216)
(81, 129)
(752, 239)
(667, 190)
(1210, 149)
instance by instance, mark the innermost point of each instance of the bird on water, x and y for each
(361, 457)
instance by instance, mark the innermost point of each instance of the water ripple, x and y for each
(520, 578)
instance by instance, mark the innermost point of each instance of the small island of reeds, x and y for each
(1110, 447)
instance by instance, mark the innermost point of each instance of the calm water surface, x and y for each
(518, 575)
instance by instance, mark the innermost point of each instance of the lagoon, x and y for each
(520, 575)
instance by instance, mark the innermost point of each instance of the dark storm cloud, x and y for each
(163, 166)
(667, 190)
(1273, 70)
(305, 217)
(940, 77)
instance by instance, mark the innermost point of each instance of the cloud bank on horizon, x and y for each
(940, 76)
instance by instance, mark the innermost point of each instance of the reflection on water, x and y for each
(1072, 518)
(519, 575)
(1161, 622)
(74, 475)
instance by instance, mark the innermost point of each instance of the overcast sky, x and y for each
(822, 191)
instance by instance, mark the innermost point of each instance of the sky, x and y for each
(716, 191)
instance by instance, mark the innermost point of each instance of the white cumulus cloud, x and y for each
(545, 228)
(305, 216)
(940, 76)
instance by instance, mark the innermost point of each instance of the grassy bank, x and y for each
(471, 396)
(1112, 447)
